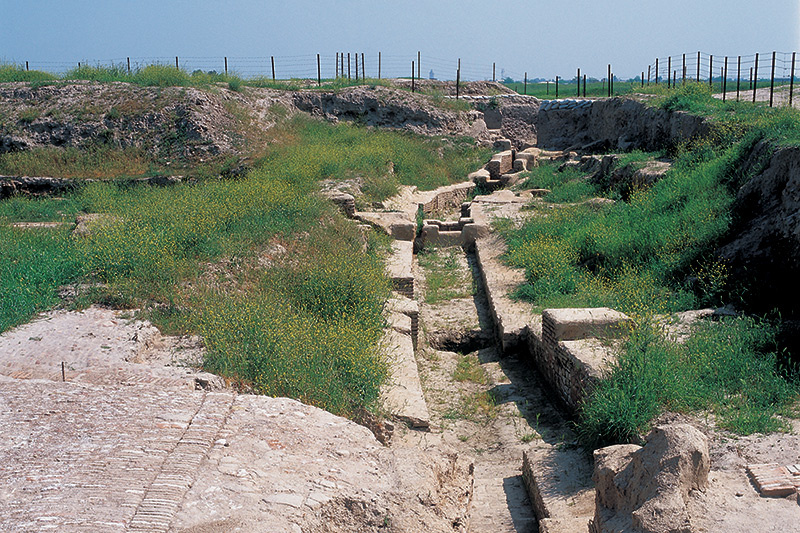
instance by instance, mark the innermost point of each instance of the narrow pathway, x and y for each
(482, 405)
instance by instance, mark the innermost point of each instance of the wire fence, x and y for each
(729, 74)
(742, 75)
(327, 66)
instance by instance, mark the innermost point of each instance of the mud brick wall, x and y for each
(449, 199)
(500, 164)
(404, 286)
(572, 367)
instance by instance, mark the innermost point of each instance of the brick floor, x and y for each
(772, 479)
(113, 450)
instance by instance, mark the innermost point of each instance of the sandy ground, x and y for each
(780, 97)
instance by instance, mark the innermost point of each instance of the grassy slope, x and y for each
(653, 254)
(271, 275)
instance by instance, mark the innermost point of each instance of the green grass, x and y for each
(597, 89)
(96, 162)
(166, 75)
(206, 258)
(468, 368)
(10, 72)
(33, 265)
(653, 254)
(727, 368)
(382, 160)
(444, 278)
(569, 185)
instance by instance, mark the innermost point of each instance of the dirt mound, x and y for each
(392, 108)
(646, 489)
(617, 124)
(466, 88)
(169, 121)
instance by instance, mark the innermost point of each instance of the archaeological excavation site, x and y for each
(233, 308)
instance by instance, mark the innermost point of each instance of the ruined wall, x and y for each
(570, 350)
(448, 198)
(615, 124)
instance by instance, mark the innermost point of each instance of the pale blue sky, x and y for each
(543, 38)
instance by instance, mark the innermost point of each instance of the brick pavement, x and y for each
(85, 458)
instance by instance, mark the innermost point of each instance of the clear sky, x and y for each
(543, 39)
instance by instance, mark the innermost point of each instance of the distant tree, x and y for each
(508, 79)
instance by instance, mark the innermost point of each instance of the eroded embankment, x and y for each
(762, 246)
(616, 124)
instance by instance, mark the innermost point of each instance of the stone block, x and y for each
(500, 164)
(480, 176)
(502, 144)
(581, 323)
(395, 224)
(403, 395)
(399, 267)
(648, 488)
(472, 232)
(508, 180)
(345, 202)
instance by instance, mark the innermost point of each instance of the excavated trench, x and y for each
(485, 403)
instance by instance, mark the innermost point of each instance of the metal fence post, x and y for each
(272, 60)
(683, 80)
(319, 72)
(738, 76)
(656, 71)
(772, 80)
(711, 71)
(698, 67)
(669, 70)
(725, 80)
(578, 78)
(791, 80)
(755, 79)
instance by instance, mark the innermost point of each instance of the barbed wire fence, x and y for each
(736, 77)
(331, 66)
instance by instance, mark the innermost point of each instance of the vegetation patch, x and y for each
(272, 276)
(652, 255)
(96, 162)
(445, 279)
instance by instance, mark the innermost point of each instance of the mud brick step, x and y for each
(772, 480)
